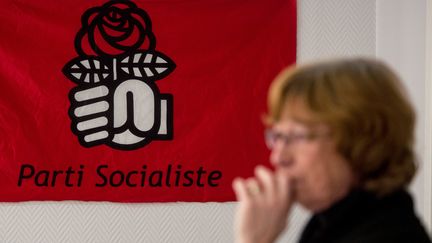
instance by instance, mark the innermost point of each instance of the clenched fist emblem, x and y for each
(116, 101)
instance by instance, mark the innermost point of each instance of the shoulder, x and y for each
(391, 219)
(362, 217)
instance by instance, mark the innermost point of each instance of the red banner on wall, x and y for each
(136, 101)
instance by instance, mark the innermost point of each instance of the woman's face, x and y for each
(319, 173)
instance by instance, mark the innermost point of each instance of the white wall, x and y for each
(401, 42)
(391, 29)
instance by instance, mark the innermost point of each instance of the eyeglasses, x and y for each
(271, 137)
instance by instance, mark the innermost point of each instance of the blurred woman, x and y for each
(341, 139)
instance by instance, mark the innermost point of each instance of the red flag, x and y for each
(136, 101)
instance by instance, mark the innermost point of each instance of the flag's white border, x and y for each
(428, 120)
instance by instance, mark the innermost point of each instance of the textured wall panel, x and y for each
(331, 28)
(326, 28)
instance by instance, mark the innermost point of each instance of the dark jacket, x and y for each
(363, 218)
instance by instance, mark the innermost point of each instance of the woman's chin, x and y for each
(309, 203)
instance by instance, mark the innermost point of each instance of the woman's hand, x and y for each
(264, 204)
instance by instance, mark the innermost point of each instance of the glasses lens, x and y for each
(270, 137)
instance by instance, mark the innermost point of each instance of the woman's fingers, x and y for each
(240, 190)
(246, 189)
(267, 180)
(264, 203)
(253, 188)
(266, 184)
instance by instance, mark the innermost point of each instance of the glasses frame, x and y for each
(271, 137)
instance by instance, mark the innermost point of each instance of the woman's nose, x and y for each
(280, 154)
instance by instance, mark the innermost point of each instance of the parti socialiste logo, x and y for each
(116, 101)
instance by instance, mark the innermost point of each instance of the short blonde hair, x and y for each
(366, 107)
